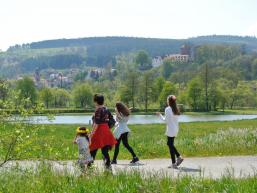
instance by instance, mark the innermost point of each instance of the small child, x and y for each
(83, 142)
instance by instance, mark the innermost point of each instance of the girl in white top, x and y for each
(171, 118)
(121, 132)
(82, 140)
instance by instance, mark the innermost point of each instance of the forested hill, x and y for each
(154, 46)
(250, 43)
(112, 45)
(99, 51)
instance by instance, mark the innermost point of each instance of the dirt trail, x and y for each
(209, 167)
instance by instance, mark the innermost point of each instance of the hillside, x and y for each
(99, 51)
(154, 46)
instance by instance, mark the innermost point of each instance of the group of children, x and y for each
(89, 142)
(101, 138)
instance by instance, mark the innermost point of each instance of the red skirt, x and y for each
(102, 137)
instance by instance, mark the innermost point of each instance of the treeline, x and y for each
(220, 77)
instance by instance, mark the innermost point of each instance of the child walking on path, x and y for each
(171, 118)
(82, 140)
(121, 132)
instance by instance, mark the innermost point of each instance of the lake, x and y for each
(137, 119)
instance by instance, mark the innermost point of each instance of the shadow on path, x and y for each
(185, 169)
(129, 164)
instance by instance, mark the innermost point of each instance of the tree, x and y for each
(125, 95)
(215, 96)
(17, 137)
(254, 69)
(82, 95)
(234, 96)
(195, 89)
(143, 60)
(167, 68)
(224, 92)
(158, 86)
(245, 96)
(46, 95)
(3, 90)
(27, 89)
(61, 97)
(130, 88)
(146, 88)
(124, 65)
(168, 89)
(206, 84)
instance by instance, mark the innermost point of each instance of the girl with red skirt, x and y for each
(101, 137)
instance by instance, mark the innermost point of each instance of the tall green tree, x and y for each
(254, 69)
(124, 65)
(27, 89)
(167, 68)
(129, 90)
(46, 95)
(125, 95)
(62, 97)
(215, 96)
(195, 93)
(3, 90)
(168, 89)
(146, 88)
(82, 95)
(143, 60)
(206, 85)
(158, 85)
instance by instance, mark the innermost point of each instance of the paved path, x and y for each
(209, 167)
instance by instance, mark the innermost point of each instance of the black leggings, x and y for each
(124, 139)
(173, 150)
(105, 152)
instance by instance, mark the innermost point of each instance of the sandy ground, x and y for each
(208, 167)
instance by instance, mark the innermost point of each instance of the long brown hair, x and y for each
(172, 103)
(122, 108)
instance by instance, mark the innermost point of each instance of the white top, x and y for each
(171, 121)
(122, 126)
(84, 152)
(82, 142)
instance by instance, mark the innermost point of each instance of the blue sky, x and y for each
(25, 21)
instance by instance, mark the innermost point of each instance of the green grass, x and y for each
(45, 180)
(195, 139)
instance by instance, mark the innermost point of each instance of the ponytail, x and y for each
(173, 105)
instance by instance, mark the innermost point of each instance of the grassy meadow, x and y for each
(45, 180)
(54, 142)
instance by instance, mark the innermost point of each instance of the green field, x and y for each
(195, 139)
(45, 180)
